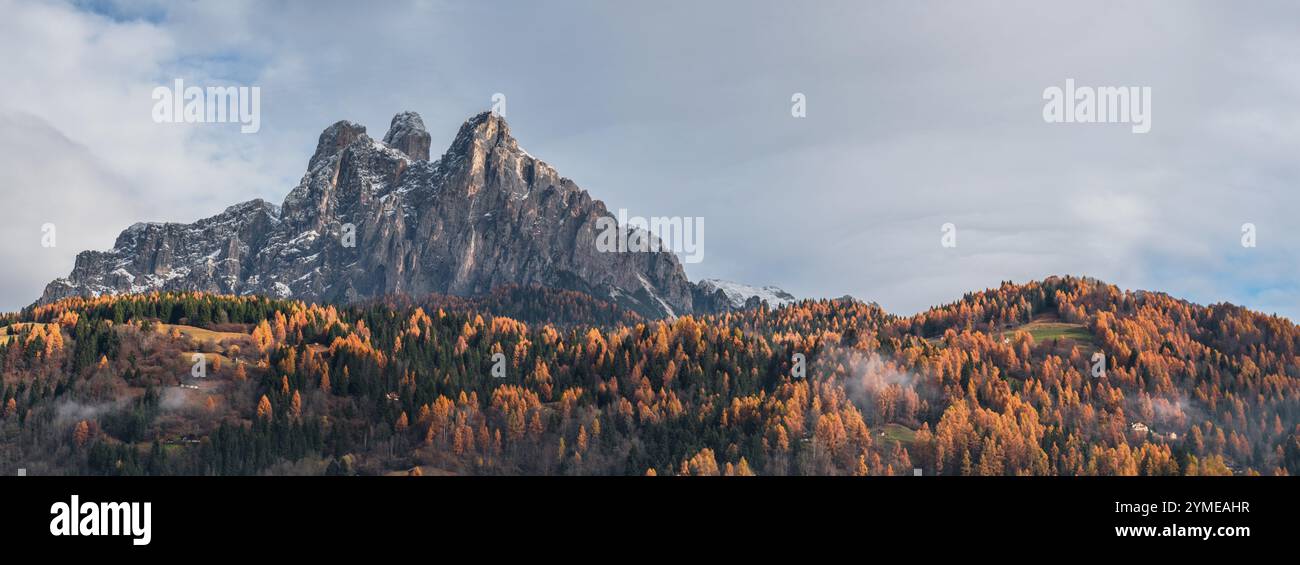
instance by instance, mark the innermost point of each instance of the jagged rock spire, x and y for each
(407, 134)
(334, 139)
(483, 130)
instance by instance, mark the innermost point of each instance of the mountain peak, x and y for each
(406, 133)
(482, 131)
(339, 135)
(733, 295)
(367, 221)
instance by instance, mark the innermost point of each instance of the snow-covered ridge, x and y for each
(738, 294)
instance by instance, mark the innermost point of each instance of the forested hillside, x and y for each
(1003, 381)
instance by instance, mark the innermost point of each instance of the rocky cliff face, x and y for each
(375, 217)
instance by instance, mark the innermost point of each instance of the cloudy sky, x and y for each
(919, 113)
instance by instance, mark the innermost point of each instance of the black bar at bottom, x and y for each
(265, 516)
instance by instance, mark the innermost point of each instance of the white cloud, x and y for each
(82, 150)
